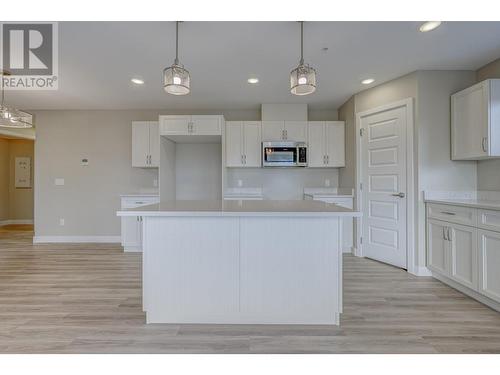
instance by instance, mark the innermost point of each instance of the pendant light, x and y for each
(303, 77)
(176, 79)
(11, 117)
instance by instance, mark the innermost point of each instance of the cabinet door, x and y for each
(131, 233)
(272, 130)
(252, 143)
(489, 264)
(174, 125)
(469, 122)
(316, 147)
(234, 136)
(437, 247)
(154, 144)
(463, 255)
(335, 143)
(140, 144)
(296, 131)
(206, 125)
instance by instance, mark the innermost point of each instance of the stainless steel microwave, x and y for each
(284, 154)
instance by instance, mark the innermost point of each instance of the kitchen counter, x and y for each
(240, 208)
(242, 262)
(488, 200)
(473, 203)
(317, 193)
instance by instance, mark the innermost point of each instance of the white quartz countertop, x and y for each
(140, 195)
(474, 203)
(240, 208)
(329, 192)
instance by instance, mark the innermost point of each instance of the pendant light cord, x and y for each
(301, 42)
(176, 42)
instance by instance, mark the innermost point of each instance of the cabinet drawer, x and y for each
(452, 214)
(134, 202)
(488, 219)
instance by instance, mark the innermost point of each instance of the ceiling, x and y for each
(97, 60)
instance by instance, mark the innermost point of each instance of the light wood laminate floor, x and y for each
(86, 298)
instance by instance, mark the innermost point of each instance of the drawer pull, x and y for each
(448, 213)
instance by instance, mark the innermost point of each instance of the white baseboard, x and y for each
(16, 221)
(347, 250)
(421, 271)
(76, 239)
(471, 293)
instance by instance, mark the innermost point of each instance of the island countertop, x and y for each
(241, 208)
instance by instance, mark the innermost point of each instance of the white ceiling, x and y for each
(97, 60)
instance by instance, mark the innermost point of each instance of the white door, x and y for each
(463, 254)
(252, 143)
(234, 135)
(316, 147)
(296, 131)
(175, 125)
(140, 144)
(438, 246)
(272, 130)
(383, 174)
(206, 125)
(335, 143)
(154, 144)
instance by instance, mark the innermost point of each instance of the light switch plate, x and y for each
(59, 181)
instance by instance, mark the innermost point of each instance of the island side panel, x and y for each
(290, 270)
(191, 269)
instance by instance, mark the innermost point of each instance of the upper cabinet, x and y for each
(326, 144)
(243, 144)
(475, 121)
(179, 127)
(145, 144)
(284, 131)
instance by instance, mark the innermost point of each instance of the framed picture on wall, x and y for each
(23, 172)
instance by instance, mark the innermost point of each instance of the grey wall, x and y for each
(347, 176)
(282, 183)
(488, 171)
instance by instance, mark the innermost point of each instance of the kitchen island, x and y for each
(242, 262)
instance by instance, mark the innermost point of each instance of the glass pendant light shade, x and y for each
(303, 80)
(303, 77)
(176, 79)
(11, 117)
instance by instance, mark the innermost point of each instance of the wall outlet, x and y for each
(327, 182)
(240, 183)
(59, 181)
(61, 221)
(84, 162)
(155, 182)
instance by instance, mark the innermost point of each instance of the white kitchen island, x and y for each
(242, 262)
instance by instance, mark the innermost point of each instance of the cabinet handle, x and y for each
(245, 159)
(448, 234)
(327, 159)
(448, 213)
(286, 134)
(484, 144)
(241, 157)
(444, 235)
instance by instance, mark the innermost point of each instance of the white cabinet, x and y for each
(463, 255)
(489, 264)
(326, 144)
(475, 121)
(437, 247)
(131, 226)
(243, 144)
(284, 131)
(145, 144)
(179, 127)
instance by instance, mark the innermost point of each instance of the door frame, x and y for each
(410, 180)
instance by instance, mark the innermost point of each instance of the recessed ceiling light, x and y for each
(253, 80)
(429, 26)
(137, 81)
(367, 81)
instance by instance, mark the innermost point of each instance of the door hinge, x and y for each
(361, 131)
(361, 240)
(361, 186)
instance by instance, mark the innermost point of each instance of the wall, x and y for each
(20, 200)
(4, 179)
(347, 178)
(282, 183)
(488, 171)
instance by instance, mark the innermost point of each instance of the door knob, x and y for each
(400, 195)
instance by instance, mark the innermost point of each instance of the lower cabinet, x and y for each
(465, 254)
(489, 264)
(131, 226)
